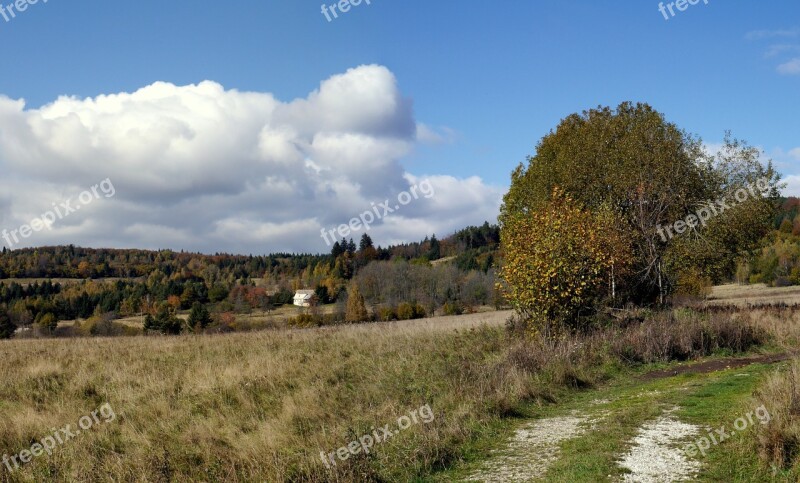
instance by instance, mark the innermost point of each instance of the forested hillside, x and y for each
(78, 283)
(777, 263)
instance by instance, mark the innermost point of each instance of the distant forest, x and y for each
(153, 282)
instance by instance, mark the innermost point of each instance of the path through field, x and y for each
(634, 431)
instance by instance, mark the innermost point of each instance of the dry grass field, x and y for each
(262, 406)
(246, 407)
(742, 295)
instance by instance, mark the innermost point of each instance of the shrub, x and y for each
(104, 326)
(303, 321)
(682, 335)
(453, 308)
(47, 323)
(693, 283)
(386, 314)
(405, 311)
(409, 311)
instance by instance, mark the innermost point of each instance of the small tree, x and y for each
(165, 322)
(356, 308)
(7, 328)
(48, 323)
(199, 318)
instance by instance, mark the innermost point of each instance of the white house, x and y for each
(305, 298)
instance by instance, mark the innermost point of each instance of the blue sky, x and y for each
(491, 78)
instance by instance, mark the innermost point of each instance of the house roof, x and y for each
(304, 292)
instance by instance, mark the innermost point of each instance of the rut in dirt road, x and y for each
(533, 448)
(656, 456)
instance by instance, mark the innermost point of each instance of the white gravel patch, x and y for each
(656, 455)
(531, 451)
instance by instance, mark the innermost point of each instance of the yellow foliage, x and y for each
(559, 259)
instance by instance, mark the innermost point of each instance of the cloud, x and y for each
(792, 185)
(431, 136)
(775, 50)
(769, 34)
(201, 167)
(790, 68)
(795, 154)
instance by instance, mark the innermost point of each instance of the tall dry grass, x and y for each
(779, 441)
(261, 406)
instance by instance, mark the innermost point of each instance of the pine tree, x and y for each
(199, 318)
(366, 242)
(7, 328)
(337, 250)
(435, 252)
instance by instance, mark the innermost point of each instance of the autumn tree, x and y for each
(356, 308)
(559, 260)
(48, 323)
(651, 174)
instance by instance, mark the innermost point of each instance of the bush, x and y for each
(104, 326)
(303, 321)
(405, 311)
(222, 323)
(682, 335)
(47, 323)
(408, 311)
(453, 308)
(693, 283)
(386, 314)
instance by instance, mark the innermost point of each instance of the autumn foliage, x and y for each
(559, 260)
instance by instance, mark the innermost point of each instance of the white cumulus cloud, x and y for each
(201, 167)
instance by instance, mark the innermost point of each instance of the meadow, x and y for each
(264, 405)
